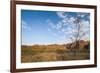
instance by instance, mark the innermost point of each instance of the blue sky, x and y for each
(44, 27)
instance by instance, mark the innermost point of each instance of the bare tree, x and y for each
(75, 28)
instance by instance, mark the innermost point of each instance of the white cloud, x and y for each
(61, 14)
(49, 30)
(63, 30)
(86, 24)
(68, 27)
(51, 24)
(53, 33)
(81, 15)
(72, 19)
(25, 26)
(59, 25)
(54, 26)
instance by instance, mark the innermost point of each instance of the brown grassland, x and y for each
(54, 52)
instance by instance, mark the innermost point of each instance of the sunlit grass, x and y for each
(45, 53)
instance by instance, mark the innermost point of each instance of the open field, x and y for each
(53, 52)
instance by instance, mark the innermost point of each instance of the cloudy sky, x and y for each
(51, 27)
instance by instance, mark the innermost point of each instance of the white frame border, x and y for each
(20, 65)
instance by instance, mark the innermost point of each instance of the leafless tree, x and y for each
(74, 28)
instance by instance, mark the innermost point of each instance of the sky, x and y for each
(50, 27)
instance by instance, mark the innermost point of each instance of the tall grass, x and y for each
(43, 53)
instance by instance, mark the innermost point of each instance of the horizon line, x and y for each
(50, 43)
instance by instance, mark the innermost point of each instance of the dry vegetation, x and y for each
(54, 52)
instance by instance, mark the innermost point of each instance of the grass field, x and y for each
(53, 52)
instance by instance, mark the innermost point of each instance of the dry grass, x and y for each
(43, 53)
